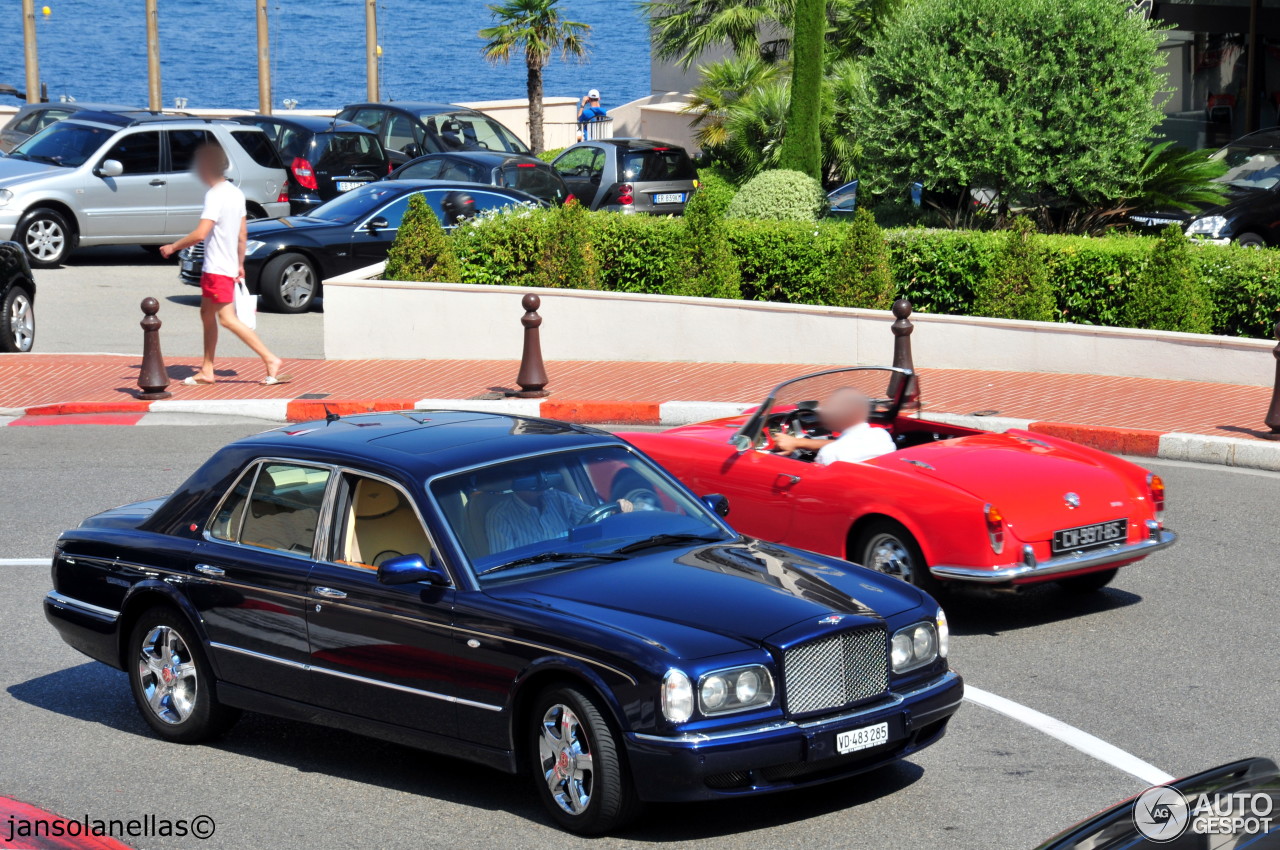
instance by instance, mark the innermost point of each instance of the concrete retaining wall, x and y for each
(367, 318)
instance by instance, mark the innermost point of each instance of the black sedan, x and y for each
(409, 130)
(533, 596)
(17, 300)
(324, 156)
(287, 258)
(1250, 217)
(526, 174)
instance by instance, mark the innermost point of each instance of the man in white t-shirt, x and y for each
(846, 412)
(224, 230)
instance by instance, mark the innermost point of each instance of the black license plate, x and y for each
(1090, 536)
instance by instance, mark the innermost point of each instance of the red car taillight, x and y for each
(626, 195)
(391, 166)
(1155, 487)
(572, 199)
(304, 173)
(995, 528)
(283, 198)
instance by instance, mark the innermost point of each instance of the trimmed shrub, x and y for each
(714, 192)
(422, 250)
(860, 277)
(779, 196)
(548, 156)
(568, 257)
(1019, 287)
(710, 268)
(1170, 296)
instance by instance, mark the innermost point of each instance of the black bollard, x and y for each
(1273, 415)
(902, 329)
(153, 379)
(532, 378)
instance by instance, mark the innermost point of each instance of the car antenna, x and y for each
(329, 416)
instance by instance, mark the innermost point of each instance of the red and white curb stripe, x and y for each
(1197, 448)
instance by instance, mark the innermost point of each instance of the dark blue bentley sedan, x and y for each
(527, 594)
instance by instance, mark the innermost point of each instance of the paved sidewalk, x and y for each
(1131, 415)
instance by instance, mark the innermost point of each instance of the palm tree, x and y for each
(536, 29)
(723, 84)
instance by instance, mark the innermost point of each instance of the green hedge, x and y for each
(938, 270)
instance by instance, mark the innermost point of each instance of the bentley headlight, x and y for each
(677, 696)
(1209, 225)
(5, 197)
(253, 246)
(915, 646)
(735, 689)
(944, 634)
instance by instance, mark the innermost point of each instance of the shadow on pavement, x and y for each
(118, 255)
(975, 614)
(95, 693)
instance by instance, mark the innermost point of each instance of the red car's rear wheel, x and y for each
(887, 547)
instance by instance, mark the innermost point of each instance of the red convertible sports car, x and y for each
(949, 505)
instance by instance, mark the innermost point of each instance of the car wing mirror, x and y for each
(109, 168)
(410, 569)
(741, 442)
(718, 504)
(376, 224)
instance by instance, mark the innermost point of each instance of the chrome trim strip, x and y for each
(584, 659)
(71, 602)
(894, 699)
(297, 665)
(1160, 539)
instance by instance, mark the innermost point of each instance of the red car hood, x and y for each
(1027, 480)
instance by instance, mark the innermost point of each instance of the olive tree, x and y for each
(1033, 100)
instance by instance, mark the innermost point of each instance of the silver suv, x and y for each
(99, 178)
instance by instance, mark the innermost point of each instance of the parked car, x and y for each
(372, 573)
(34, 117)
(286, 260)
(951, 506)
(526, 174)
(628, 175)
(843, 200)
(409, 130)
(104, 179)
(17, 300)
(1250, 217)
(324, 156)
(1238, 800)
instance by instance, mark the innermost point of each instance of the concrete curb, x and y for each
(1197, 448)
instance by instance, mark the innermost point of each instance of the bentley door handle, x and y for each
(205, 569)
(329, 593)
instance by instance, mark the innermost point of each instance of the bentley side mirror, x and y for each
(376, 224)
(741, 442)
(408, 569)
(109, 168)
(719, 504)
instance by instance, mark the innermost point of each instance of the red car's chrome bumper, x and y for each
(1030, 569)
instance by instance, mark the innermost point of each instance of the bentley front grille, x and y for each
(837, 671)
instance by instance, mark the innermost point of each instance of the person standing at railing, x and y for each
(589, 110)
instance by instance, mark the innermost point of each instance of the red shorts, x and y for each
(218, 288)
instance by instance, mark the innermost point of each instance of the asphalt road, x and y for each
(1176, 664)
(91, 305)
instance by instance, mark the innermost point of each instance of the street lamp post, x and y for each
(29, 46)
(264, 61)
(154, 101)
(371, 47)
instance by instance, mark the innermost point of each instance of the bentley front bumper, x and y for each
(1030, 570)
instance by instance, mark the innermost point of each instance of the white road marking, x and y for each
(25, 562)
(1070, 735)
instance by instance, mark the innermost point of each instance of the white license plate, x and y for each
(348, 185)
(669, 198)
(188, 266)
(862, 739)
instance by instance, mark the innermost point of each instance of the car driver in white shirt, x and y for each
(846, 413)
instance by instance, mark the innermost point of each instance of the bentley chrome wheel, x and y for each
(566, 759)
(167, 675)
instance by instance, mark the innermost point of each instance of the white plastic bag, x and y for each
(246, 305)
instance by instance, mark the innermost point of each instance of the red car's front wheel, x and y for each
(887, 547)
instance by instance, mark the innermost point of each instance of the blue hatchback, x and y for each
(534, 596)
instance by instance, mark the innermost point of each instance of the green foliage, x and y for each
(1018, 287)
(722, 85)
(1093, 280)
(860, 277)
(422, 251)
(568, 257)
(714, 192)
(1171, 296)
(802, 145)
(779, 196)
(710, 269)
(1037, 100)
(550, 155)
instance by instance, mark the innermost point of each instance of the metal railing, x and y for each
(561, 134)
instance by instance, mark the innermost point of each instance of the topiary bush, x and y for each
(710, 269)
(714, 192)
(1170, 296)
(779, 195)
(1019, 286)
(861, 277)
(568, 256)
(422, 250)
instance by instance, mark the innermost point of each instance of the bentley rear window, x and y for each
(276, 506)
